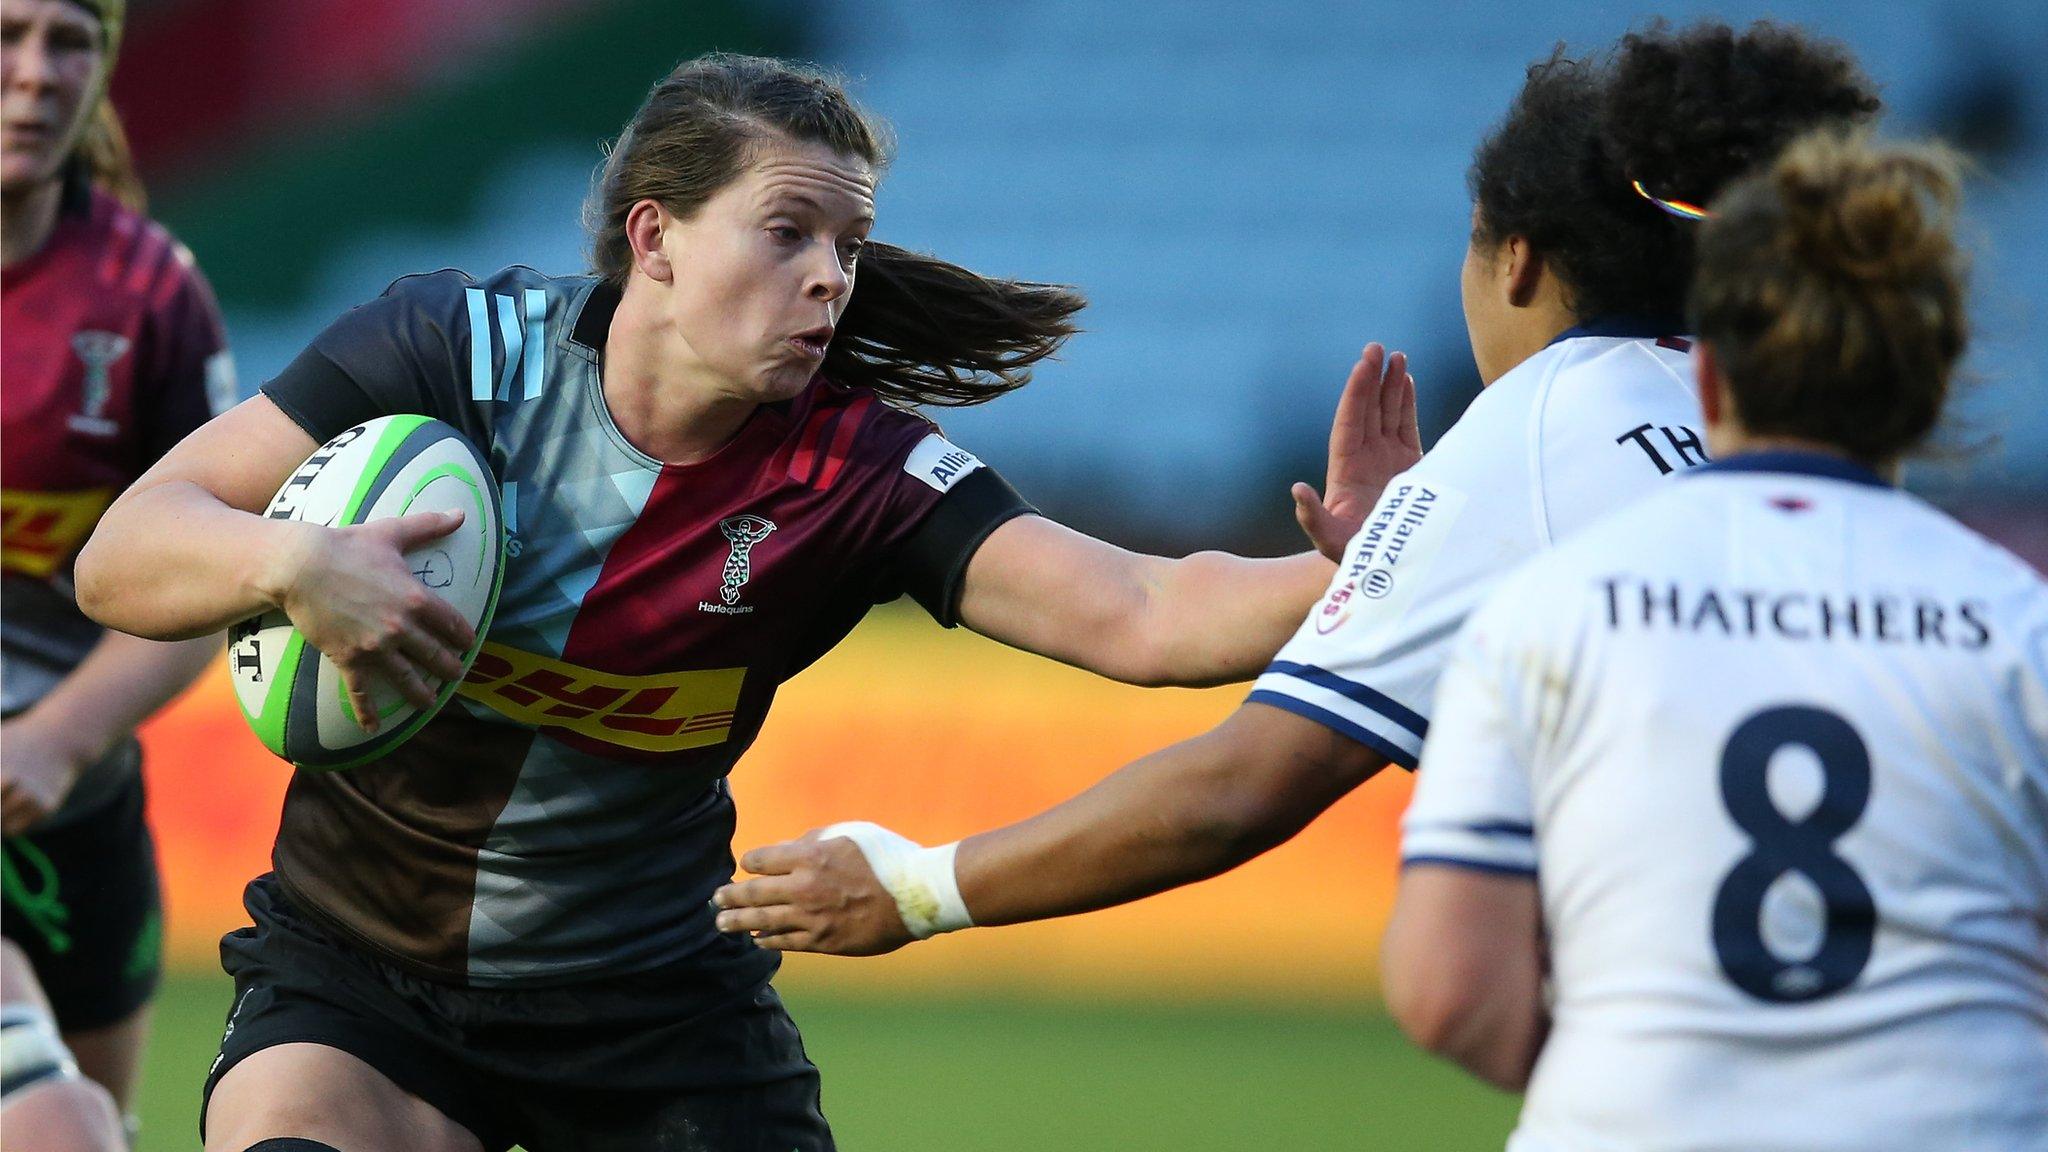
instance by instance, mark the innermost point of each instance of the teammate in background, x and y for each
(501, 931)
(1776, 740)
(113, 353)
(1581, 251)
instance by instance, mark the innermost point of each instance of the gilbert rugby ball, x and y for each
(293, 696)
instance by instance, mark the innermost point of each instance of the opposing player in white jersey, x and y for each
(1775, 740)
(1579, 257)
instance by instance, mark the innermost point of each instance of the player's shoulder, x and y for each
(1590, 377)
(1566, 578)
(481, 328)
(1489, 456)
(1496, 423)
(457, 293)
(1552, 389)
(1970, 560)
(135, 258)
(837, 433)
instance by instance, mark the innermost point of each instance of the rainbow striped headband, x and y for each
(1678, 208)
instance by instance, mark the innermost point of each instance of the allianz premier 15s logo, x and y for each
(662, 713)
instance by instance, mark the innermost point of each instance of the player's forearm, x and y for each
(1185, 813)
(1216, 618)
(123, 681)
(174, 563)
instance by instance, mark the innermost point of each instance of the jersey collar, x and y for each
(1624, 327)
(594, 323)
(1799, 464)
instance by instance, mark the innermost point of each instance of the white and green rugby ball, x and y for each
(293, 696)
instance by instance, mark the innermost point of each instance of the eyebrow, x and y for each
(812, 203)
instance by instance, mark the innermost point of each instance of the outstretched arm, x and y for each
(1185, 813)
(1209, 618)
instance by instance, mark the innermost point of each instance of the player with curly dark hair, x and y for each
(1672, 116)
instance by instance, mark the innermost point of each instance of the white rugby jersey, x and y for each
(1774, 742)
(1588, 424)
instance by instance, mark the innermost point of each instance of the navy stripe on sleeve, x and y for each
(1338, 724)
(1488, 866)
(1357, 693)
(1503, 828)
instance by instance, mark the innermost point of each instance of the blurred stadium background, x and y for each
(1248, 193)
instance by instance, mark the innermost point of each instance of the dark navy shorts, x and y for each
(643, 1061)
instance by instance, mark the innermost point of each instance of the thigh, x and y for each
(734, 1078)
(354, 1048)
(780, 1116)
(320, 1093)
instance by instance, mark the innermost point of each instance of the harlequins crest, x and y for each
(743, 532)
(99, 351)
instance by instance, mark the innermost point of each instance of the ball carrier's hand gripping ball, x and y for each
(293, 696)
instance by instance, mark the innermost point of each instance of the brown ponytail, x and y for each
(1831, 288)
(917, 329)
(921, 331)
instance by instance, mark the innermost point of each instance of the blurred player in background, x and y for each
(1775, 740)
(1573, 287)
(113, 353)
(500, 932)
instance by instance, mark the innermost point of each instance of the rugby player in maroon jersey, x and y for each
(113, 352)
(500, 932)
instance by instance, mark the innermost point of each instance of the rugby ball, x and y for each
(291, 695)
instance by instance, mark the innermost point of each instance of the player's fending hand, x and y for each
(1373, 439)
(813, 895)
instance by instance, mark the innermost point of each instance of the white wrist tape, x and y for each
(921, 879)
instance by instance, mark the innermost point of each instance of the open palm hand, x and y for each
(1373, 439)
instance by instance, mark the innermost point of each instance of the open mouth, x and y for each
(812, 343)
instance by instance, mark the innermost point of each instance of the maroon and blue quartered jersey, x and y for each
(567, 816)
(113, 352)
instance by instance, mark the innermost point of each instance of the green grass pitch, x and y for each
(998, 1076)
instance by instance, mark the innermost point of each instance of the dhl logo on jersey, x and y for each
(40, 530)
(661, 713)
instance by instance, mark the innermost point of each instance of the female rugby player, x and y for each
(500, 933)
(113, 348)
(1776, 739)
(1573, 284)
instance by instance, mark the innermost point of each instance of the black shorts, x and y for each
(630, 1062)
(81, 899)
